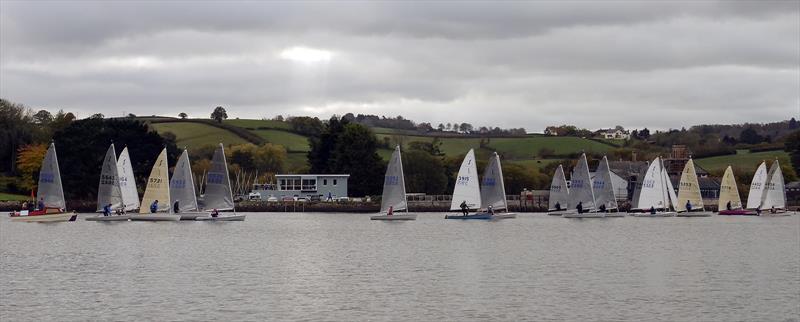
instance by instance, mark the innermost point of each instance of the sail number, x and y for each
(489, 181)
(107, 180)
(178, 184)
(215, 178)
(391, 180)
(462, 180)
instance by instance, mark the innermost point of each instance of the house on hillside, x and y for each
(551, 130)
(613, 134)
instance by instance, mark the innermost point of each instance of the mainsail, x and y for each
(127, 182)
(728, 191)
(671, 198)
(603, 186)
(218, 194)
(181, 186)
(775, 190)
(493, 191)
(466, 187)
(109, 192)
(157, 186)
(652, 193)
(49, 188)
(756, 194)
(580, 190)
(689, 189)
(559, 192)
(394, 187)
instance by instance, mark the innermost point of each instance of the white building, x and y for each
(614, 134)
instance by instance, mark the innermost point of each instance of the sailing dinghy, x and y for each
(50, 194)
(581, 194)
(757, 185)
(773, 202)
(467, 191)
(656, 193)
(156, 200)
(394, 191)
(493, 190)
(729, 201)
(109, 192)
(218, 195)
(559, 194)
(127, 182)
(604, 192)
(690, 201)
(181, 190)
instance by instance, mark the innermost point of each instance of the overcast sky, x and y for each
(531, 64)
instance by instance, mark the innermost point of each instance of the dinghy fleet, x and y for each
(584, 196)
(117, 196)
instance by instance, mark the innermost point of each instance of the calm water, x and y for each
(345, 267)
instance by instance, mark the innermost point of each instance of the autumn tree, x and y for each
(29, 161)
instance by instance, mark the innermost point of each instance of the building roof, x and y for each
(627, 169)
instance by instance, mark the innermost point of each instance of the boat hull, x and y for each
(52, 217)
(394, 217)
(505, 215)
(155, 217)
(658, 214)
(192, 215)
(109, 218)
(615, 214)
(584, 215)
(557, 212)
(694, 214)
(737, 212)
(222, 218)
(479, 215)
(777, 213)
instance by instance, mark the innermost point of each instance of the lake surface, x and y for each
(344, 267)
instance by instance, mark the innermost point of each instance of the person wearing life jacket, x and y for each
(464, 207)
(688, 205)
(391, 211)
(107, 210)
(579, 207)
(176, 207)
(154, 207)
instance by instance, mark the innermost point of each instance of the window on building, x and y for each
(324, 182)
(334, 182)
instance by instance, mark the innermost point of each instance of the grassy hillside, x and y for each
(293, 142)
(198, 134)
(743, 159)
(256, 124)
(12, 197)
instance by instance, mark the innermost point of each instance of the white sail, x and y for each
(559, 192)
(49, 189)
(467, 186)
(493, 191)
(757, 185)
(728, 191)
(775, 190)
(637, 190)
(603, 186)
(181, 186)
(689, 189)
(580, 189)
(653, 192)
(127, 182)
(109, 192)
(394, 187)
(218, 194)
(157, 186)
(671, 199)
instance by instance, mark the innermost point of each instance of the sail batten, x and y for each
(467, 186)
(181, 186)
(109, 191)
(493, 192)
(157, 186)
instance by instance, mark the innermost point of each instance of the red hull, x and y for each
(737, 212)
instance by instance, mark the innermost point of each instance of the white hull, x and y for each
(155, 217)
(694, 214)
(109, 218)
(192, 215)
(394, 217)
(779, 213)
(222, 218)
(558, 212)
(584, 215)
(615, 214)
(504, 215)
(67, 216)
(657, 214)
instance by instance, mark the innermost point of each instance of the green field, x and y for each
(198, 134)
(12, 197)
(255, 124)
(295, 162)
(743, 159)
(291, 141)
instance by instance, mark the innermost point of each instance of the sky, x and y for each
(594, 64)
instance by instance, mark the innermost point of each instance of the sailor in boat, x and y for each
(688, 205)
(41, 204)
(490, 210)
(652, 210)
(603, 208)
(176, 207)
(772, 210)
(391, 210)
(215, 213)
(154, 207)
(579, 207)
(728, 205)
(558, 206)
(464, 207)
(107, 210)
(24, 205)
(120, 210)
